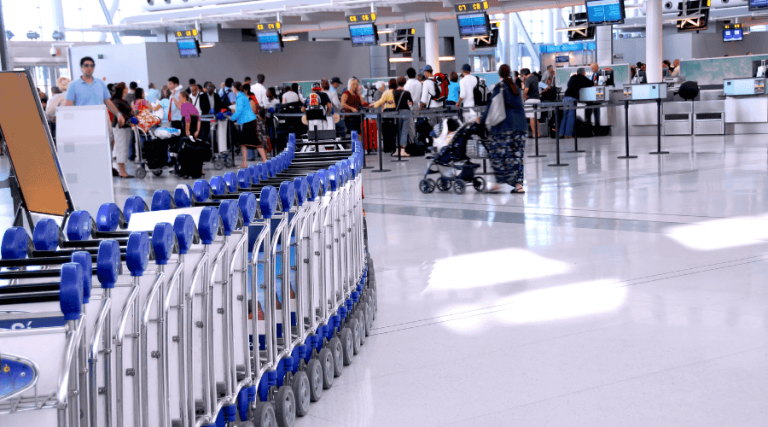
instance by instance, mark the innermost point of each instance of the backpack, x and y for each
(225, 97)
(481, 93)
(441, 87)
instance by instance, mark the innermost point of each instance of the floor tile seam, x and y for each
(633, 378)
(327, 420)
(615, 285)
(424, 203)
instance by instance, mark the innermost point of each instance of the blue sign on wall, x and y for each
(567, 47)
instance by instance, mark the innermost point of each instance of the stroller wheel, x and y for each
(230, 162)
(444, 184)
(141, 173)
(479, 184)
(427, 186)
(218, 164)
(157, 172)
(459, 187)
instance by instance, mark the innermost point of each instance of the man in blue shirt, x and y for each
(89, 91)
(174, 106)
(152, 94)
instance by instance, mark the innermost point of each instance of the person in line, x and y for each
(577, 82)
(272, 100)
(247, 81)
(174, 105)
(58, 99)
(89, 91)
(413, 86)
(328, 90)
(518, 80)
(191, 82)
(295, 89)
(152, 94)
(227, 96)
(403, 102)
(189, 115)
(386, 103)
(194, 98)
(453, 90)
(351, 102)
(130, 97)
(421, 78)
(531, 96)
(259, 90)
(211, 103)
(333, 93)
(255, 109)
(428, 90)
(289, 96)
(121, 129)
(467, 94)
(140, 104)
(507, 139)
(244, 116)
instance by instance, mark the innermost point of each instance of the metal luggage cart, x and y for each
(141, 163)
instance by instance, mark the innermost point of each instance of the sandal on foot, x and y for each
(517, 191)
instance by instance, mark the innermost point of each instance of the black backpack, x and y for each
(481, 93)
(225, 97)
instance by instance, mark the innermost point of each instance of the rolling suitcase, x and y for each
(371, 135)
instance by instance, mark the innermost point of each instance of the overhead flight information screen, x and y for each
(473, 24)
(601, 12)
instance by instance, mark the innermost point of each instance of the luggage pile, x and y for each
(235, 301)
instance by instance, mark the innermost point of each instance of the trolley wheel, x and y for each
(315, 374)
(354, 325)
(362, 309)
(326, 361)
(285, 407)
(369, 319)
(347, 345)
(157, 172)
(230, 161)
(459, 187)
(478, 183)
(264, 415)
(338, 355)
(218, 164)
(444, 184)
(301, 391)
(141, 173)
(427, 186)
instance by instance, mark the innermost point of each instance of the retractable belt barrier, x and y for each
(235, 299)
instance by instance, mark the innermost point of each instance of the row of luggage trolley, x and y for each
(232, 302)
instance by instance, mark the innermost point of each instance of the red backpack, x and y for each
(441, 87)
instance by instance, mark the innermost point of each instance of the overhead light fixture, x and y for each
(496, 21)
(446, 58)
(400, 59)
(400, 44)
(386, 31)
(207, 45)
(582, 27)
(688, 18)
(290, 38)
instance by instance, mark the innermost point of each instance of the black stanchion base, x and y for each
(367, 167)
(401, 160)
(558, 164)
(534, 156)
(626, 157)
(382, 170)
(576, 151)
(659, 152)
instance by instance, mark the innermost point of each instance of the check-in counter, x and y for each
(745, 101)
(595, 95)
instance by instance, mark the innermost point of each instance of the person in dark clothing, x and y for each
(571, 98)
(403, 102)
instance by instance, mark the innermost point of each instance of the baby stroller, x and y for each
(452, 163)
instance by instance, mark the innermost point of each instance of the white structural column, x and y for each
(558, 17)
(604, 40)
(58, 15)
(514, 49)
(549, 26)
(653, 41)
(504, 36)
(432, 45)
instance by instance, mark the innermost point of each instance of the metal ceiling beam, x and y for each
(527, 40)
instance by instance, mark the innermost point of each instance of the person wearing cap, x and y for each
(329, 90)
(467, 93)
(334, 93)
(428, 90)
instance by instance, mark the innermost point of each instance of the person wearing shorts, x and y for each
(531, 96)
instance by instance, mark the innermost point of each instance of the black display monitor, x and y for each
(270, 41)
(490, 41)
(188, 47)
(697, 16)
(474, 25)
(364, 34)
(605, 12)
(733, 35)
(758, 4)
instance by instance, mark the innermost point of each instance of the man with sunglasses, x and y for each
(89, 91)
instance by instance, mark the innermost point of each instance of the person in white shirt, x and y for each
(428, 90)
(194, 98)
(333, 93)
(335, 101)
(272, 100)
(289, 96)
(413, 86)
(467, 93)
(676, 71)
(259, 90)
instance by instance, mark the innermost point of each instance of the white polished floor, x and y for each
(614, 293)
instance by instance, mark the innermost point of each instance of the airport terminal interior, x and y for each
(321, 213)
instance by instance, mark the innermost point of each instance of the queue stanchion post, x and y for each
(557, 142)
(536, 133)
(576, 138)
(378, 146)
(626, 132)
(658, 129)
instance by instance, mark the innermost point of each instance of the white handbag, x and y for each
(498, 112)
